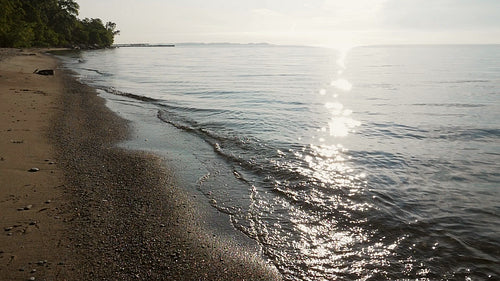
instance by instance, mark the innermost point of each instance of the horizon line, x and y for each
(308, 45)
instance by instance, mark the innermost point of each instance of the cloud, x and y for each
(441, 14)
(313, 22)
(358, 10)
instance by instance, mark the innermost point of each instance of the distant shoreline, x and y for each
(142, 45)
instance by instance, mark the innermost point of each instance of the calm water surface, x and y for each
(372, 164)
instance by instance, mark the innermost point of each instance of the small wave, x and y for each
(384, 65)
(187, 109)
(248, 153)
(459, 105)
(113, 91)
(379, 159)
(176, 121)
(463, 81)
(268, 75)
(400, 131)
(97, 71)
(386, 86)
(213, 93)
(394, 130)
(467, 134)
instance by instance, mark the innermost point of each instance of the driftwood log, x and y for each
(44, 71)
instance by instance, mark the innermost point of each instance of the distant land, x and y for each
(143, 45)
(190, 44)
(224, 44)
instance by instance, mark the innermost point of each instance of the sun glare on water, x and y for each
(340, 123)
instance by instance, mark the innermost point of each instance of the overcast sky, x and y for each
(305, 22)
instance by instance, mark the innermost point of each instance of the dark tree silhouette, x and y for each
(43, 23)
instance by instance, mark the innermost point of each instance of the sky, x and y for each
(331, 23)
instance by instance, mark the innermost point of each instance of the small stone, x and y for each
(32, 223)
(21, 269)
(162, 225)
(48, 201)
(8, 228)
(32, 278)
(28, 207)
(33, 170)
(9, 234)
(33, 270)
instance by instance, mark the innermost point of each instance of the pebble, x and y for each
(28, 207)
(33, 270)
(33, 170)
(8, 228)
(32, 278)
(48, 201)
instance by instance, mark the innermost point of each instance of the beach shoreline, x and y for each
(112, 214)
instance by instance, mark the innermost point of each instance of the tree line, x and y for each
(51, 23)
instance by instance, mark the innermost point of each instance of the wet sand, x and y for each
(94, 211)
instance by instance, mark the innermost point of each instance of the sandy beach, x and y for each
(73, 206)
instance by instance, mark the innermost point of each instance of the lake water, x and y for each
(371, 164)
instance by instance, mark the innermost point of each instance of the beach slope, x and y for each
(93, 211)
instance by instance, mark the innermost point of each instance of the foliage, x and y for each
(44, 23)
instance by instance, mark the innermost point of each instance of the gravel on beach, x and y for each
(128, 219)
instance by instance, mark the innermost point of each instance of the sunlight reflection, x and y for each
(326, 163)
(324, 201)
(340, 124)
(342, 84)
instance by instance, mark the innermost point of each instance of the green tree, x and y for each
(69, 6)
(25, 23)
(7, 17)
